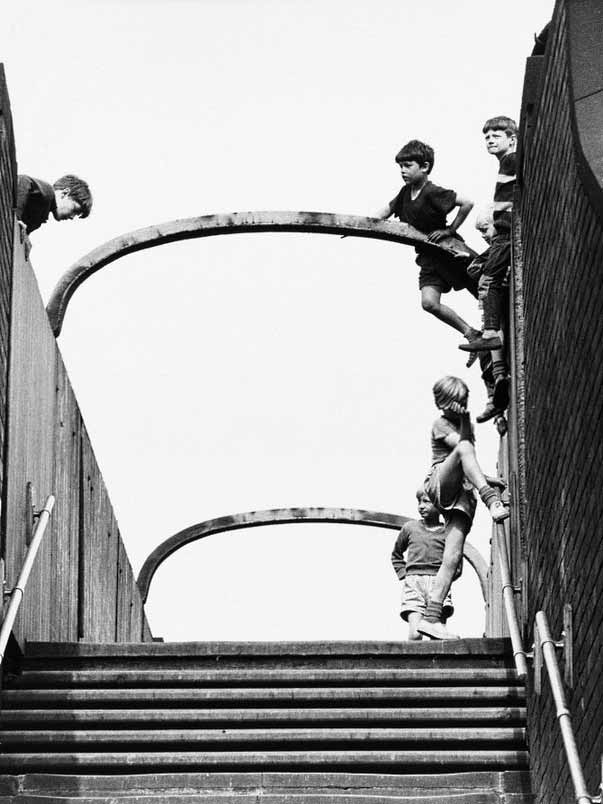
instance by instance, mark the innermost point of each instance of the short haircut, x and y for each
(450, 393)
(502, 123)
(78, 190)
(484, 217)
(416, 151)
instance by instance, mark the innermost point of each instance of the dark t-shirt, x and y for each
(429, 209)
(503, 194)
(424, 549)
(35, 201)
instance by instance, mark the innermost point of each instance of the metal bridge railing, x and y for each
(546, 646)
(16, 593)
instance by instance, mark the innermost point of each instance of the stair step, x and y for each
(491, 797)
(474, 652)
(207, 739)
(265, 677)
(25, 718)
(445, 695)
(385, 784)
(400, 761)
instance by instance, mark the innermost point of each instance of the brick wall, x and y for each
(560, 272)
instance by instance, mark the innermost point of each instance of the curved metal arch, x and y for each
(282, 516)
(234, 223)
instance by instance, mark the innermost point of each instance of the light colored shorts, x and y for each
(464, 501)
(416, 590)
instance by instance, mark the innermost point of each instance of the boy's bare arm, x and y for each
(465, 206)
(385, 212)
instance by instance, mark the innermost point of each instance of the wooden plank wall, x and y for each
(82, 585)
(8, 174)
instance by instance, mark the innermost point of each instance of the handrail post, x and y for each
(16, 594)
(563, 714)
(508, 593)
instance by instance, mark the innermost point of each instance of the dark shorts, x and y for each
(498, 261)
(444, 273)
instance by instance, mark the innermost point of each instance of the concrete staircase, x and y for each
(314, 723)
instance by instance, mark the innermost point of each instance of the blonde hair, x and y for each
(451, 393)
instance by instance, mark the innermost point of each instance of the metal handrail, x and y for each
(508, 592)
(547, 645)
(16, 594)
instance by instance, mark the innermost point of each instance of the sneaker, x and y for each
(482, 345)
(435, 630)
(499, 512)
(501, 392)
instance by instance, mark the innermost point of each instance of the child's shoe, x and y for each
(489, 412)
(435, 630)
(482, 344)
(498, 511)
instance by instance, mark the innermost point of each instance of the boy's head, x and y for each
(451, 394)
(416, 160)
(73, 198)
(484, 223)
(500, 134)
(426, 508)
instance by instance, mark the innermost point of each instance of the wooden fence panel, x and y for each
(30, 453)
(64, 523)
(98, 553)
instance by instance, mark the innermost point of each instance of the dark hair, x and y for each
(416, 151)
(505, 124)
(78, 190)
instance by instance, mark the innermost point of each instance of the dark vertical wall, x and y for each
(561, 273)
(8, 171)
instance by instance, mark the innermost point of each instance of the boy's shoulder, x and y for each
(508, 164)
(443, 426)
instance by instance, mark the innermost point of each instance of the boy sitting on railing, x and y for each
(425, 205)
(416, 558)
(454, 475)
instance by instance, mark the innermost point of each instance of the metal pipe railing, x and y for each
(547, 645)
(16, 594)
(508, 592)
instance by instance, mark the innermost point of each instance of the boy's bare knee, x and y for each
(464, 448)
(430, 305)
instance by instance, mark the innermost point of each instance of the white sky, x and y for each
(261, 370)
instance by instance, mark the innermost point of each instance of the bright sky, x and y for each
(263, 370)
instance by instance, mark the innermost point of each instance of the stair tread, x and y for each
(444, 694)
(268, 676)
(400, 715)
(444, 757)
(416, 735)
(472, 647)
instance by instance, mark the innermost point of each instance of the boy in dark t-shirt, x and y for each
(416, 558)
(425, 205)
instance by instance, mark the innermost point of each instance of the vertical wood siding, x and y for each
(82, 585)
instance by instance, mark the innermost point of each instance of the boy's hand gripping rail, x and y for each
(16, 593)
(546, 644)
(508, 593)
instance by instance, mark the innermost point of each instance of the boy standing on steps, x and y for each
(501, 141)
(450, 483)
(416, 558)
(426, 206)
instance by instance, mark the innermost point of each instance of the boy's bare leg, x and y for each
(456, 532)
(430, 301)
(414, 618)
(457, 529)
